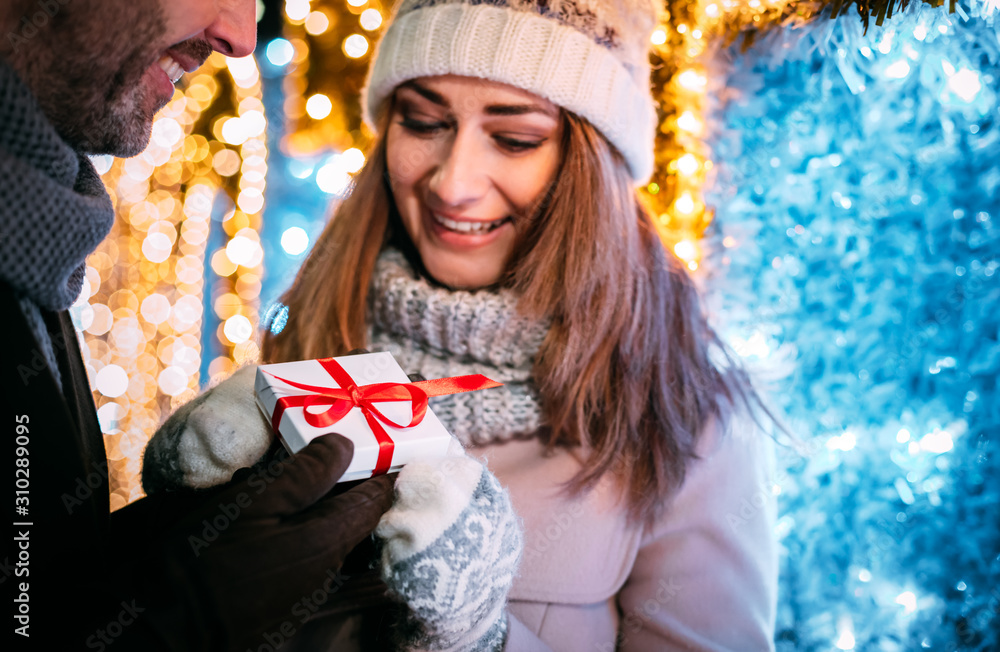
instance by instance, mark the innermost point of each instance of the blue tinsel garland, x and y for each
(857, 253)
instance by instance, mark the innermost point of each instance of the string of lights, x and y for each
(141, 308)
(328, 46)
(675, 194)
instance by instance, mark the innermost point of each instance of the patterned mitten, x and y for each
(207, 440)
(452, 543)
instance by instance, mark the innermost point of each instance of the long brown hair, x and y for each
(625, 370)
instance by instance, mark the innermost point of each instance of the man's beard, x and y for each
(118, 124)
(86, 72)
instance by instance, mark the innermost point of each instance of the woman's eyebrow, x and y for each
(516, 109)
(493, 109)
(427, 93)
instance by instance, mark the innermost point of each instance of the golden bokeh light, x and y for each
(142, 320)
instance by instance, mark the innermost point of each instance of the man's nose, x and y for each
(234, 31)
(461, 178)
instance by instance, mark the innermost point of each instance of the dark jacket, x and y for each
(118, 581)
(79, 570)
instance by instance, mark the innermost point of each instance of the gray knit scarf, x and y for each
(54, 210)
(438, 332)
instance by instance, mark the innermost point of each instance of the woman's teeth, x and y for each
(467, 227)
(172, 68)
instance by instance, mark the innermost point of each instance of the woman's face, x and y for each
(464, 155)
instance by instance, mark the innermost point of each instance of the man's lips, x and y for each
(176, 61)
(187, 62)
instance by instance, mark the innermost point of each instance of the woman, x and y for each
(496, 229)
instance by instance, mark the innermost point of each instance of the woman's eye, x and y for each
(515, 145)
(420, 127)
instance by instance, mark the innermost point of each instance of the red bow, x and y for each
(349, 395)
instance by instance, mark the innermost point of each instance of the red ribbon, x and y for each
(349, 395)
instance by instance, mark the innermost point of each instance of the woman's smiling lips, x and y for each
(464, 232)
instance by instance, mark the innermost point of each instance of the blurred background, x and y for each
(829, 172)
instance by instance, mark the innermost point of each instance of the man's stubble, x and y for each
(86, 68)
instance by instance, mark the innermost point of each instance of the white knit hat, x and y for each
(588, 56)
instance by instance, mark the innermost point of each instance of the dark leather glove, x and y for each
(254, 561)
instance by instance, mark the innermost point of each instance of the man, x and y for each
(225, 569)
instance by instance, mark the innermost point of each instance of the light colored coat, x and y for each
(703, 577)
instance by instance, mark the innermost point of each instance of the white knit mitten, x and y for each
(207, 440)
(452, 544)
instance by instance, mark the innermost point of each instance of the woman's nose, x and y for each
(461, 176)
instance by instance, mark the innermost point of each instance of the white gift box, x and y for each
(429, 438)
